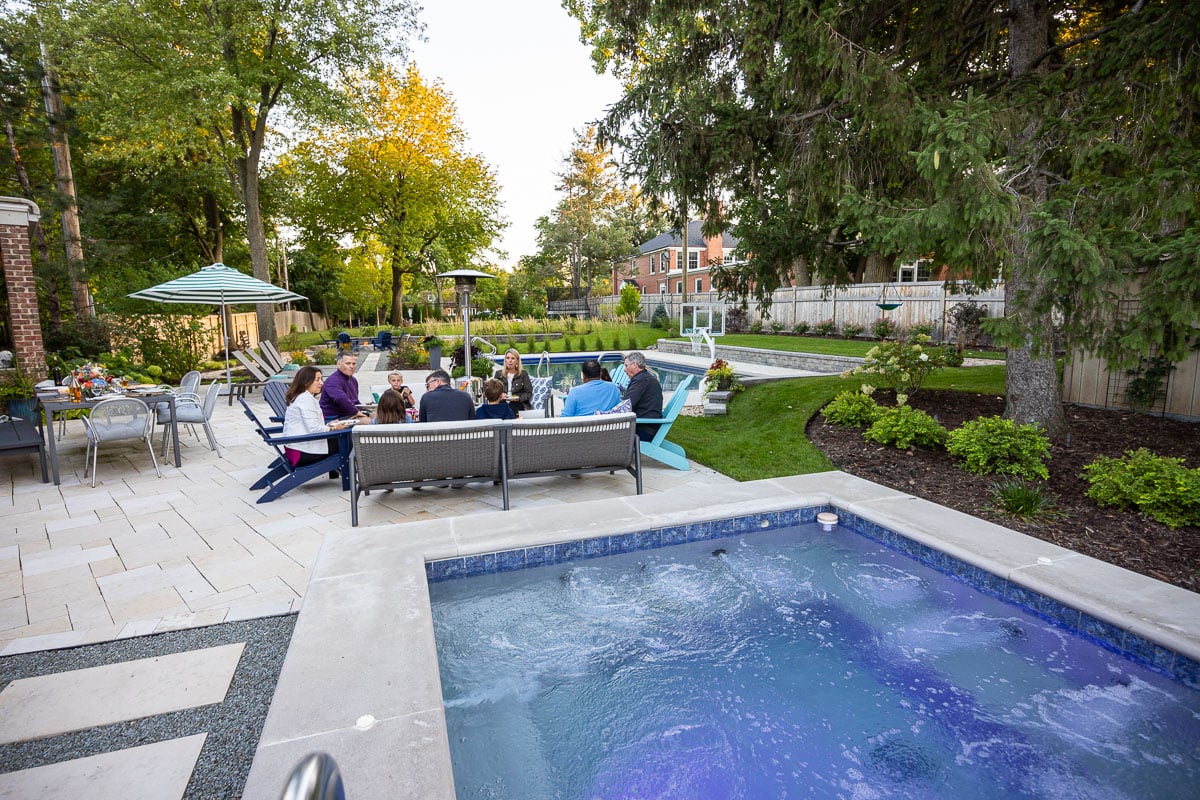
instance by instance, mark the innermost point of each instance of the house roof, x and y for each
(695, 239)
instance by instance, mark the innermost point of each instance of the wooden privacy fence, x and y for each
(856, 305)
(1087, 382)
(243, 327)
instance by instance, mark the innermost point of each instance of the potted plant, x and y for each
(721, 378)
(433, 345)
(16, 388)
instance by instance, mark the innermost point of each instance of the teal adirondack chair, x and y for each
(659, 448)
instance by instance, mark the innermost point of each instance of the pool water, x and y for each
(790, 663)
(565, 371)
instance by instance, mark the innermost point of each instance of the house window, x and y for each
(728, 258)
(914, 271)
(664, 260)
(679, 287)
(651, 263)
(699, 284)
(662, 288)
(694, 259)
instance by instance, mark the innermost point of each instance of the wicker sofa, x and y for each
(457, 453)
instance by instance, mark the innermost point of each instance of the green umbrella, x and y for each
(220, 285)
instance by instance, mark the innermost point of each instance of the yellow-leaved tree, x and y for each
(401, 177)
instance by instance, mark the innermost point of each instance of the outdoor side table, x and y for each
(22, 436)
(52, 404)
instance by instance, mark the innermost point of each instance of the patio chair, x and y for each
(252, 367)
(273, 356)
(281, 476)
(263, 364)
(345, 342)
(382, 340)
(190, 410)
(275, 393)
(659, 448)
(113, 420)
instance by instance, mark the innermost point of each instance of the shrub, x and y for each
(967, 319)
(800, 328)
(852, 331)
(1161, 488)
(883, 328)
(921, 329)
(1020, 498)
(851, 410)
(661, 318)
(325, 356)
(299, 357)
(902, 365)
(777, 327)
(992, 445)
(824, 328)
(630, 304)
(904, 426)
(735, 320)
(756, 326)
(954, 358)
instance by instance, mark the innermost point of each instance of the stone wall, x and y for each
(813, 362)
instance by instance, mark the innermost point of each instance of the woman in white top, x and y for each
(304, 416)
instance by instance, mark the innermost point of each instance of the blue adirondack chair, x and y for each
(382, 340)
(275, 393)
(281, 476)
(659, 448)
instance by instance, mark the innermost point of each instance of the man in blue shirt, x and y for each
(593, 395)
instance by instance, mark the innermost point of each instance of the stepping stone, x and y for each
(158, 771)
(48, 705)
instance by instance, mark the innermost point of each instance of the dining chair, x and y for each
(115, 419)
(191, 410)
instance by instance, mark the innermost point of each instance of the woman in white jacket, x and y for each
(304, 416)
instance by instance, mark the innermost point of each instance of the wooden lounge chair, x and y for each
(659, 448)
(252, 367)
(281, 476)
(273, 356)
(262, 363)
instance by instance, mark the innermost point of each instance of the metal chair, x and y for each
(113, 420)
(190, 383)
(191, 411)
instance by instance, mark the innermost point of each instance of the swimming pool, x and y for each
(361, 677)
(564, 369)
(790, 663)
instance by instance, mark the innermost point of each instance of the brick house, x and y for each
(658, 268)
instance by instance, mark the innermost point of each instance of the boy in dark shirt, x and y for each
(493, 408)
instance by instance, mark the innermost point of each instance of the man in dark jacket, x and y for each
(339, 395)
(441, 403)
(644, 393)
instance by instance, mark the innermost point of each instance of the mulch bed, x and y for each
(1127, 539)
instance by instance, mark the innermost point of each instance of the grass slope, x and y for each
(763, 434)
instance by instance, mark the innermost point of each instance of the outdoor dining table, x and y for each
(53, 403)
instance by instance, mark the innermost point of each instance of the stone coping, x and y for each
(361, 677)
(811, 362)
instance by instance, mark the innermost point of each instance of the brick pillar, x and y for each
(15, 215)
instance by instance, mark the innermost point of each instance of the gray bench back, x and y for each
(566, 443)
(414, 452)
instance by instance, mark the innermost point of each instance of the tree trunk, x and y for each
(397, 287)
(53, 306)
(1033, 394)
(877, 269)
(81, 297)
(256, 237)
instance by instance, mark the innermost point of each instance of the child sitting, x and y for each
(493, 408)
(390, 409)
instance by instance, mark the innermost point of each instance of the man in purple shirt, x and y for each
(339, 395)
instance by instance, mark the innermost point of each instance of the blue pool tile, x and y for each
(676, 534)
(539, 556)
(565, 551)
(1057, 612)
(445, 569)
(1024, 597)
(1102, 632)
(509, 560)
(482, 564)
(594, 548)
(1151, 653)
(1186, 670)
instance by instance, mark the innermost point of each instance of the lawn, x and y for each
(818, 344)
(763, 434)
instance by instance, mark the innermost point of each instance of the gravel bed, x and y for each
(233, 726)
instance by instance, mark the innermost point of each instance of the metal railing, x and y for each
(315, 778)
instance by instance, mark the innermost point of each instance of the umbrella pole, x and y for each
(225, 336)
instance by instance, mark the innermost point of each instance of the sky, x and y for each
(523, 83)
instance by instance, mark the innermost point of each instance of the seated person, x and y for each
(441, 403)
(518, 385)
(594, 394)
(494, 406)
(339, 397)
(644, 393)
(391, 409)
(304, 416)
(396, 381)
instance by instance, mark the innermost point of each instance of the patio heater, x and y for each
(464, 285)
